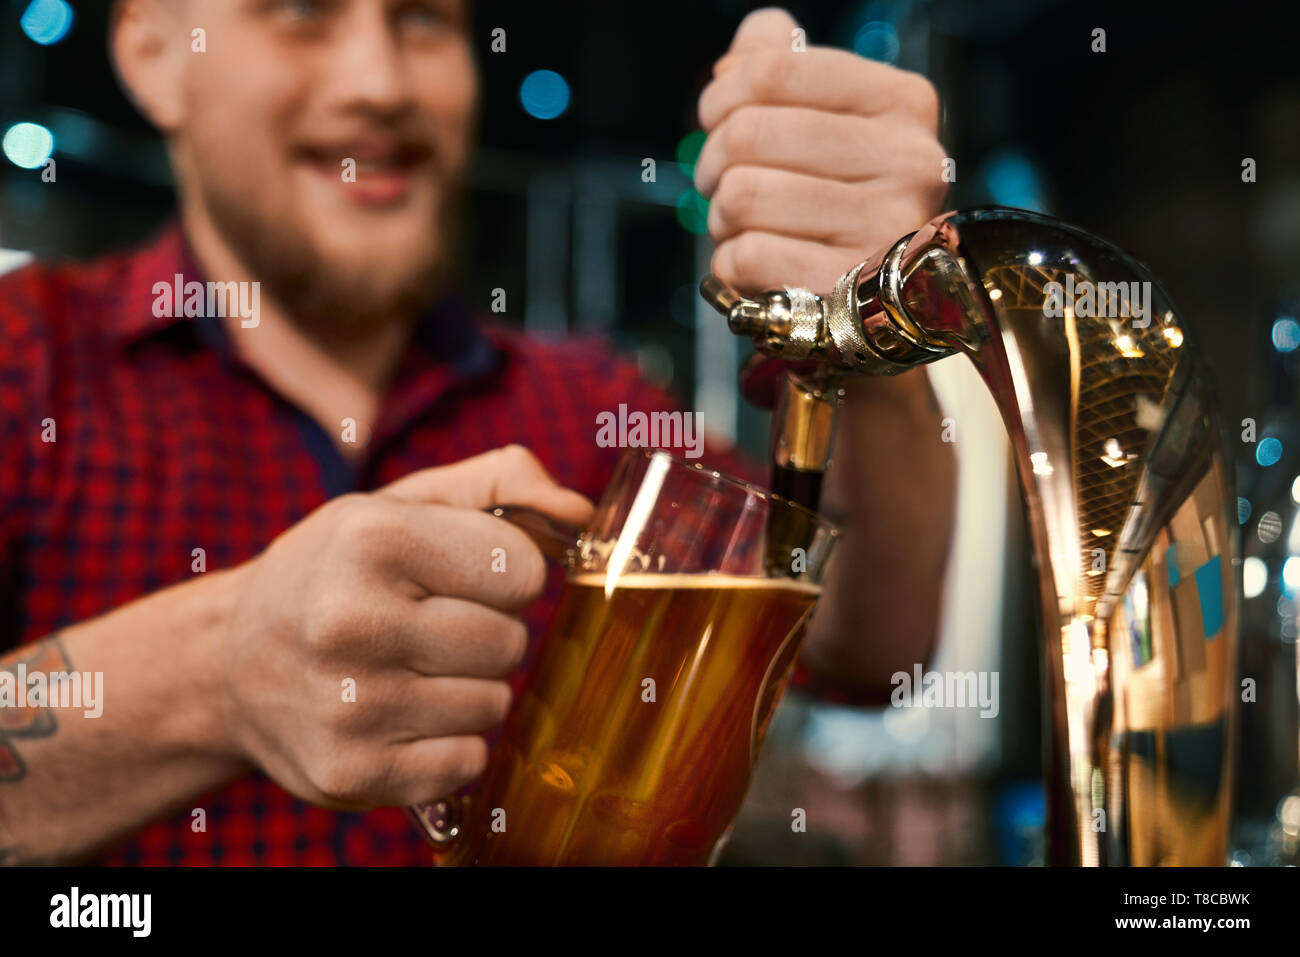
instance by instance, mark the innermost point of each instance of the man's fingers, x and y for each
(774, 200)
(762, 199)
(506, 476)
(474, 641)
(819, 78)
(440, 707)
(427, 769)
(755, 261)
(464, 553)
(834, 146)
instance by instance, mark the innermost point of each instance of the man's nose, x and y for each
(366, 69)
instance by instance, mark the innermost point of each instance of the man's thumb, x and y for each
(764, 29)
(507, 476)
(769, 28)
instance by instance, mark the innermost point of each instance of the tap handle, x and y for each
(745, 317)
(719, 295)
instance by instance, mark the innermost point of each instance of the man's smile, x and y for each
(385, 167)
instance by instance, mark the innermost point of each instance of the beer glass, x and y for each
(683, 610)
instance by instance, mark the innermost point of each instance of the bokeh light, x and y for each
(1293, 536)
(1269, 528)
(877, 40)
(1243, 510)
(544, 94)
(1012, 179)
(655, 363)
(1268, 452)
(1286, 334)
(28, 145)
(1291, 573)
(693, 212)
(1288, 814)
(688, 152)
(47, 21)
(1254, 577)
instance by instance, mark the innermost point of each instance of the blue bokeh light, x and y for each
(1243, 510)
(28, 145)
(1268, 452)
(877, 40)
(544, 94)
(1291, 575)
(47, 21)
(1012, 180)
(1286, 334)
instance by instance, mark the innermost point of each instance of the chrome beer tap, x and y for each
(1119, 453)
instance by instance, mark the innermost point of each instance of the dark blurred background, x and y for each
(1142, 144)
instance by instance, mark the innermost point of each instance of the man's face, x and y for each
(287, 95)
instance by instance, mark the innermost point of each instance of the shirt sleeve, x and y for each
(17, 427)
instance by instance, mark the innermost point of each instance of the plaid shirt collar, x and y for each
(448, 335)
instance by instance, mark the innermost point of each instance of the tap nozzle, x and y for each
(790, 323)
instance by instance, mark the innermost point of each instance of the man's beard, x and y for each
(314, 292)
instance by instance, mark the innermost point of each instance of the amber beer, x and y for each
(683, 610)
(634, 739)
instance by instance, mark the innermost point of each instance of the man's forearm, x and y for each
(71, 782)
(892, 486)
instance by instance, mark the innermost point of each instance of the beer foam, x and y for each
(692, 580)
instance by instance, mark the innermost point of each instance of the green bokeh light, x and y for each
(688, 151)
(693, 212)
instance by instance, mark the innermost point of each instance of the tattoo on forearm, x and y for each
(48, 657)
(11, 855)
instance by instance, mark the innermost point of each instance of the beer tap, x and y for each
(806, 345)
(804, 392)
(1120, 456)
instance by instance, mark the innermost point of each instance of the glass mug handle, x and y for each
(439, 821)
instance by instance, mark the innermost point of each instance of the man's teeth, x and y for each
(376, 165)
(363, 164)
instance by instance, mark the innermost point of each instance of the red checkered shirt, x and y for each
(167, 442)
